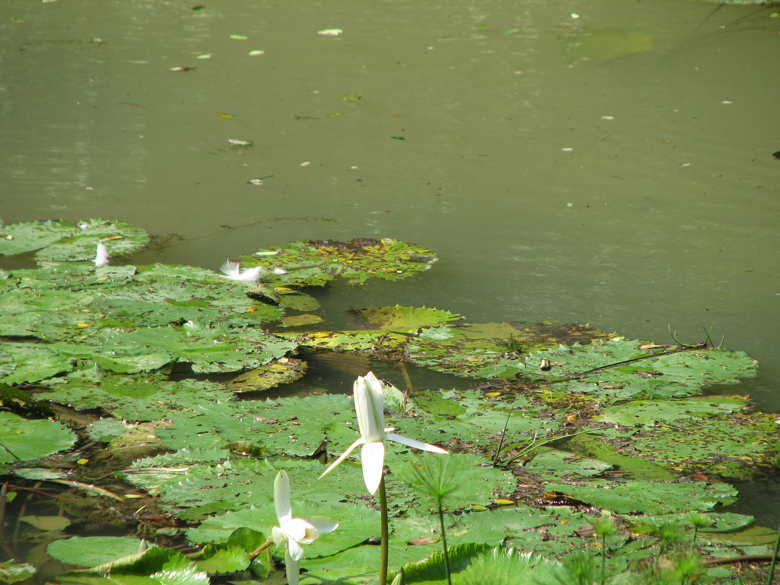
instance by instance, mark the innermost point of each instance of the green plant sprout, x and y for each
(604, 528)
(294, 532)
(697, 520)
(437, 478)
(369, 407)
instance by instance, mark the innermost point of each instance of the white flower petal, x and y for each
(293, 568)
(369, 406)
(372, 457)
(343, 456)
(414, 443)
(322, 524)
(296, 550)
(282, 498)
(299, 530)
(277, 536)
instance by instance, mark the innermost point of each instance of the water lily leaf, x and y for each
(22, 439)
(27, 362)
(727, 445)
(156, 566)
(93, 550)
(649, 497)
(348, 340)
(283, 371)
(151, 348)
(405, 318)
(64, 241)
(47, 523)
(553, 464)
(104, 430)
(492, 350)
(221, 559)
(314, 263)
(620, 368)
(11, 572)
(605, 450)
(650, 412)
(147, 399)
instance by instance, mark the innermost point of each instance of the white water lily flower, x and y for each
(233, 271)
(101, 258)
(369, 406)
(294, 532)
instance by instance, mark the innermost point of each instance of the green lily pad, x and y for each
(552, 464)
(651, 412)
(22, 439)
(373, 341)
(649, 497)
(729, 446)
(93, 550)
(315, 263)
(65, 241)
(491, 350)
(282, 371)
(156, 566)
(405, 318)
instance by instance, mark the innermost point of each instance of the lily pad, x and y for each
(93, 550)
(315, 263)
(65, 241)
(648, 497)
(400, 318)
(22, 439)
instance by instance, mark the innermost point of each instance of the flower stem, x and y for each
(385, 533)
(444, 542)
(774, 559)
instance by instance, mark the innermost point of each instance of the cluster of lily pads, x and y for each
(562, 426)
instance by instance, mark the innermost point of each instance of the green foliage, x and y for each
(156, 566)
(635, 424)
(94, 550)
(22, 439)
(64, 241)
(315, 263)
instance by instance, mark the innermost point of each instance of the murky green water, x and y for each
(614, 168)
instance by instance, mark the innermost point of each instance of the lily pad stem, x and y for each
(444, 543)
(385, 533)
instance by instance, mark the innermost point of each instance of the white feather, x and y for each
(233, 271)
(101, 259)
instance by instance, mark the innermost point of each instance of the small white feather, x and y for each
(233, 271)
(101, 258)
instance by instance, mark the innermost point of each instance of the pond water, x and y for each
(607, 162)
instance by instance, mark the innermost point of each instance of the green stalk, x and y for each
(385, 533)
(693, 542)
(774, 559)
(603, 559)
(444, 542)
